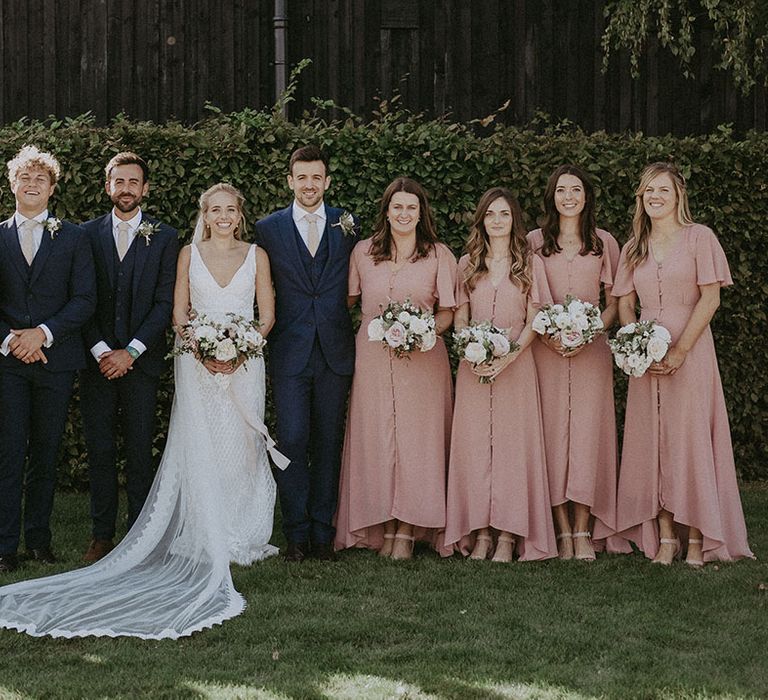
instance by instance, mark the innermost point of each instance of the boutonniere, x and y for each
(146, 230)
(53, 226)
(346, 223)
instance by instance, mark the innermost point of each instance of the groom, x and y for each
(135, 259)
(47, 293)
(312, 350)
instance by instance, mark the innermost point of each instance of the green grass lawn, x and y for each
(368, 628)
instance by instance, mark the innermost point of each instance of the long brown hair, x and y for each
(478, 245)
(426, 234)
(639, 245)
(550, 222)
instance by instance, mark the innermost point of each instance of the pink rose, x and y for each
(571, 339)
(395, 335)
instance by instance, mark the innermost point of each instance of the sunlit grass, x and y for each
(364, 627)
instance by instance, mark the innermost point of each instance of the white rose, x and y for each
(500, 344)
(205, 333)
(226, 350)
(628, 329)
(557, 309)
(474, 353)
(404, 317)
(657, 348)
(619, 359)
(428, 341)
(597, 323)
(633, 360)
(562, 320)
(540, 322)
(395, 335)
(418, 325)
(254, 338)
(581, 321)
(576, 308)
(376, 329)
(662, 333)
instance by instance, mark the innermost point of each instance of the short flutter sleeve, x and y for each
(446, 277)
(539, 294)
(624, 282)
(711, 263)
(354, 288)
(462, 293)
(611, 254)
(535, 240)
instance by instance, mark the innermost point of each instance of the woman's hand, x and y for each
(555, 345)
(496, 366)
(671, 362)
(218, 367)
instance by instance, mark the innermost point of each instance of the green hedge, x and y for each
(728, 182)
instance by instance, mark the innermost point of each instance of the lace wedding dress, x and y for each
(212, 502)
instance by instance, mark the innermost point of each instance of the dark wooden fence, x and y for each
(162, 59)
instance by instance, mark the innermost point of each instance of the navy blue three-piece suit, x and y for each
(311, 360)
(58, 289)
(134, 301)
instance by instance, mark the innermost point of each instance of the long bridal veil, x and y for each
(170, 576)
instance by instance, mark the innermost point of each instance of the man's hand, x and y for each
(27, 343)
(115, 363)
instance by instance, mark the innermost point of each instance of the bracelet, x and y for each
(133, 352)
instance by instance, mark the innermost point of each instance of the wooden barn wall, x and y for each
(163, 59)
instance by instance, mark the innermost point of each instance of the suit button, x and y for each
(317, 296)
(28, 319)
(117, 318)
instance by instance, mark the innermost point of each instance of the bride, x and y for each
(213, 498)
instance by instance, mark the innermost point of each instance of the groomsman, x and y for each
(47, 293)
(312, 350)
(135, 260)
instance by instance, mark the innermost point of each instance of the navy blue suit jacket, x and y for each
(154, 276)
(59, 290)
(304, 311)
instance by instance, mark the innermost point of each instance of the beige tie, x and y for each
(122, 239)
(28, 240)
(313, 237)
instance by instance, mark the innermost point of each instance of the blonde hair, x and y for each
(32, 157)
(638, 248)
(204, 204)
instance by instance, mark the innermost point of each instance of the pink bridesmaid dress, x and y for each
(577, 394)
(677, 452)
(399, 423)
(497, 475)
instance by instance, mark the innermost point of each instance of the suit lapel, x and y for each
(46, 245)
(332, 235)
(107, 245)
(10, 239)
(142, 251)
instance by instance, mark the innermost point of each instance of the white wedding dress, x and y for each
(211, 503)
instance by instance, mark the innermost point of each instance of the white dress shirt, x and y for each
(37, 236)
(302, 224)
(133, 226)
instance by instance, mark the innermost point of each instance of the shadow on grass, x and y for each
(363, 627)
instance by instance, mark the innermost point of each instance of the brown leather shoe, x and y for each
(98, 549)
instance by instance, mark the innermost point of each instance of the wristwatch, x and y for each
(133, 352)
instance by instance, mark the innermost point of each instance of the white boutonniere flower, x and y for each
(53, 226)
(346, 223)
(146, 230)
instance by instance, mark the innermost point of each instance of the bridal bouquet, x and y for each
(403, 327)
(637, 345)
(573, 323)
(481, 343)
(225, 341)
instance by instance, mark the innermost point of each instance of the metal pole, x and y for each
(280, 21)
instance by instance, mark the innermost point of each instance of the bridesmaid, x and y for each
(677, 474)
(497, 478)
(392, 487)
(577, 384)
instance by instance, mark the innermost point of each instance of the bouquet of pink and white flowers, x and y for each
(573, 323)
(637, 345)
(403, 327)
(224, 341)
(480, 343)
